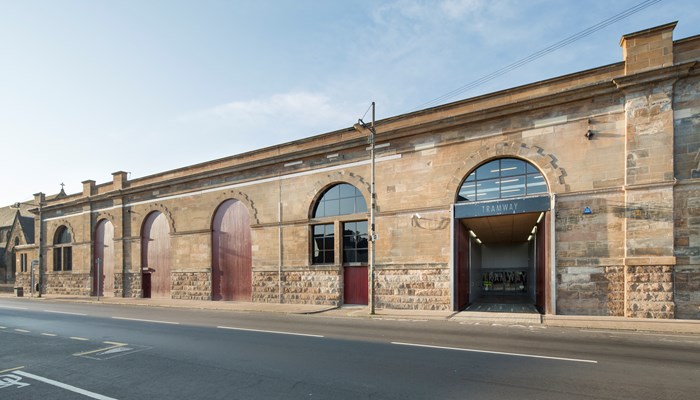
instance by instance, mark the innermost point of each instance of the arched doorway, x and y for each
(103, 261)
(232, 261)
(340, 235)
(501, 239)
(155, 256)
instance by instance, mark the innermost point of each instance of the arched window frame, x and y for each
(339, 227)
(62, 250)
(502, 178)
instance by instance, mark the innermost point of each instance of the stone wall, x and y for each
(649, 292)
(68, 283)
(23, 280)
(132, 285)
(312, 286)
(592, 290)
(190, 285)
(118, 284)
(413, 287)
(266, 286)
(687, 294)
(687, 250)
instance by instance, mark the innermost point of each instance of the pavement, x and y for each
(464, 317)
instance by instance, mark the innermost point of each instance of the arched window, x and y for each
(62, 250)
(340, 203)
(500, 179)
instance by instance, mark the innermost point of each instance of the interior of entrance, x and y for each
(499, 264)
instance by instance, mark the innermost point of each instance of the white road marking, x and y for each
(114, 346)
(496, 352)
(147, 320)
(64, 312)
(264, 331)
(64, 386)
(79, 338)
(49, 334)
(14, 308)
(11, 369)
(22, 330)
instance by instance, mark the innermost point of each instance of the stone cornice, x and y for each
(654, 76)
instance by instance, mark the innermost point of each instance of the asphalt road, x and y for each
(53, 350)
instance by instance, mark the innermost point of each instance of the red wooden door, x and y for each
(462, 262)
(542, 262)
(356, 285)
(104, 251)
(232, 258)
(155, 253)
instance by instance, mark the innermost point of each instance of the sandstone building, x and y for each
(579, 195)
(16, 231)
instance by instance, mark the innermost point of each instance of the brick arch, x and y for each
(547, 163)
(99, 216)
(162, 209)
(68, 226)
(335, 178)
(240, 196)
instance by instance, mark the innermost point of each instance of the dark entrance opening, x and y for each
(501, 260)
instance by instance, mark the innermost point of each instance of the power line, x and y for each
(539, 54)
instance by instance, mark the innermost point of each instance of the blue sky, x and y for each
(88, 88)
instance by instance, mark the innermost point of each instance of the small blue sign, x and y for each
(587, 211)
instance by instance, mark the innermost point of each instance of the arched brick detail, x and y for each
(164, 210)
(99, 216)
(240, 196)
(58, 224)
(535, 155)
(334, 178)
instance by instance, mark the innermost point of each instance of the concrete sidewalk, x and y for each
(563, 321)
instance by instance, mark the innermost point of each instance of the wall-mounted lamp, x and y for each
(478, 240)
(529, 238)
(587, 211)
(589, 134)
(472, 234)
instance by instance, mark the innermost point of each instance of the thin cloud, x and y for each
(275, 119)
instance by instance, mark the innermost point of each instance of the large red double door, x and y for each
(232, 260)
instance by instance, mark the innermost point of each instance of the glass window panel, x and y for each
(488, 170)
(360, 204)
(330, 231)
(68, 258)
(320, 210)
(57, 259)
(536, 184)
(468, 192)
(332, 193)
(513, 186)
(347, 206)
(332, 208)
(489, 189)
(361, 227)
(531, 169)
(471, 177)
(319, 230)
(512, 166)
(346, 191)
(362, 256)
(349, 256)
